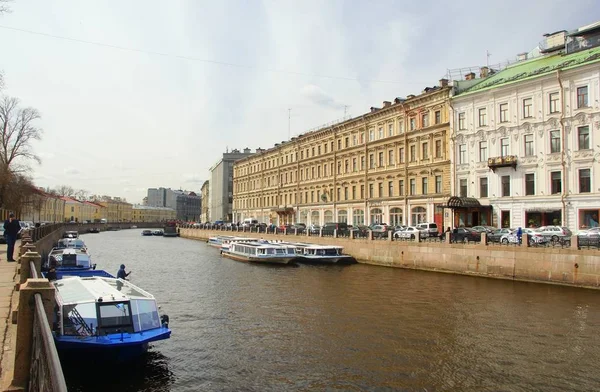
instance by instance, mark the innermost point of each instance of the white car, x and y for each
(535, 237)
(407, 233)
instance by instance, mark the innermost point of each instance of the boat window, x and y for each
(331, 252)
(79, 319)
(114, 314)
(145, 315)
(271, 251)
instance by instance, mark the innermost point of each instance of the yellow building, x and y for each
(116, 210)
(390, 165)
(43, 207)
(73, 210)
(141, 213)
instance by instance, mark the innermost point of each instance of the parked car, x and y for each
(300, 227)
(314, 229)
(466, 234)
(556, 233)
(497, 234)
(535, 237)
(329, 227)
(410, 232)
(380, 231)
(430, 228)
(589, 237)
(483, 229)
(359, 230)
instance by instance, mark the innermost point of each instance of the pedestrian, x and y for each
(12, 228)
(519, 234)
(122, 274)
(455, 234)
(448, 230)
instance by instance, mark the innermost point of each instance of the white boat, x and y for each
(218, 240)
(69, 259)
(315, 253)
(226, 242)
(261, 252)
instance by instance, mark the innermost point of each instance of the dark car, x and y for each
(465, 234)
(329, 227)
(299, 227)
(359, 230)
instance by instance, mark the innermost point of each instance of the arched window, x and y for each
(303, 216)
(328, 216)
(315, 218)
(376, 216)
(396, 216)
(343, 216)
(358, 217)
(419, 215)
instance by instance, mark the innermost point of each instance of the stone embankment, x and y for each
(568, 266)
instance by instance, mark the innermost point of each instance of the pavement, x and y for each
(9, 300)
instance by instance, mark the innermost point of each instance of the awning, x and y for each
(542, 209)
(284, 211)
(456, 202)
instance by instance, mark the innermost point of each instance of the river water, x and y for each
(246, 327)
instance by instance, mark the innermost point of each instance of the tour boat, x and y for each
(70, 254)
(226, 242)
(105, 319)
(260, 252)
(70, 234)
(329, 254)
(158, 232)
(147, 232)
(218, 240)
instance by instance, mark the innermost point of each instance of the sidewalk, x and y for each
(8, 303)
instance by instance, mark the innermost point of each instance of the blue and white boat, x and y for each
(70, 254)
(106, 319)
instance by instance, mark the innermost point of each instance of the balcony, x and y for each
(505, 161)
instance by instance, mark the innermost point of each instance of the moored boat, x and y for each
(106, 319)
(158, 232)
(328, 254)
(146, 232)
(217, 241)
(260, 252)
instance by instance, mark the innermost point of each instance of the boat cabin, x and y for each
(70, 234)
(261, 249)
(99, 306)
(74, 243)
(69, 258)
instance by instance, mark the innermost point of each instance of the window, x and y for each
(528, 145)
(529, 184)
(413, 186)
(400, 187)
(412, 124)
(362, 138)
(325, 147)
(380, 159)
(319, 150)
(504, 147)
(380, 132)
(424, 185)
(555, 182)
(339, 144)
(553, 103)
(362, 162)
(371, 161)
(582, 97)
(505, 182)
(438, 148)
(346, 143)
(554, 141)
(503, 112)
(413, 155)
(380, 186)
(483, 152)
(585, 185)
(371, 135)
(461, 121)
(438, 184)
(438, 117)
(462, 154)
(362, 191)
(354, 140)
(391, 157)
(353, 164)
(313, 152)
(346, 193)
(584, 137)
(425, 120)
(390, 129)
(425, 148)
(482, 117)
(339, 167)
(483, 187)
(391, 188)
(401, 155)
(353, 192)
(463, 187)
(346, 166)
(527, 107)
(370, 191)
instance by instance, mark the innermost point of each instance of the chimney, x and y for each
(374, 109)
(470, 76)
(443, 82)
(246, 150)
(410, 96)
(399, 100)
(522, 56)
(484, 72)
(259, 150)
(386, 104)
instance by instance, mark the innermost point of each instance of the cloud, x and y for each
(46, 155)
(189, 178)
(71, 171)
(318, 96)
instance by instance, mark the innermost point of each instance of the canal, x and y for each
(239, 326)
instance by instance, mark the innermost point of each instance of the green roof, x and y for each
(534, 68)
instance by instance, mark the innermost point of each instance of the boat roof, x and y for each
(309, 246)
(256, 244)
(75, 290)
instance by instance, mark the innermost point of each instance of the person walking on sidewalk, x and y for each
(12, 227)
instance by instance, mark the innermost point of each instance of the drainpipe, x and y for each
(451, 151)
(366, 215)
(563, 193)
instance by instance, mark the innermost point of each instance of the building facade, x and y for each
(142, 213)
(205, 195)
(390, 165)
(221, 185)
(43, 207)
(186, 204)
(526, 139)
(115, 209)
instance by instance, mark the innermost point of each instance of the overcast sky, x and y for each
(144, 93)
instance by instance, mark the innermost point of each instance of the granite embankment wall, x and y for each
(567, 266)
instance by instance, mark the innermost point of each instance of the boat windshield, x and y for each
(114, 317)
(79, 319)
(145, 315)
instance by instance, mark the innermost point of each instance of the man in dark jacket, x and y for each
(12, 227)
(122, 274)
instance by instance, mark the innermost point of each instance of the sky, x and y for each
(140, 93)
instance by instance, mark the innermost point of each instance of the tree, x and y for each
(64, 190)
(4, 6)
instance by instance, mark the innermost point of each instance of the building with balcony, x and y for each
(221, 185)
(389, 165)
(525, 139)
(186, 204)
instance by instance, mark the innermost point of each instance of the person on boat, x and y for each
(122, 274)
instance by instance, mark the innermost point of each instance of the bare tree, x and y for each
(4, 6)
(64, 190)
(81, 194)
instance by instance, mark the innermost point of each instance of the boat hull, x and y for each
(345, 259)
(280, 260)
(170, 235)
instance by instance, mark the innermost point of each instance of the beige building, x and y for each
(142, 213)
(205, 209)
(116, 210)
(43, 207)
(390, 165)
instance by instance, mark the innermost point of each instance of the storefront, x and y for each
(468, 212)
(285, 215)
(537, 217)
(588, 218)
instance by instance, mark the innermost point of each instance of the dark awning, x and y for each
(284, 211)
(456, 202)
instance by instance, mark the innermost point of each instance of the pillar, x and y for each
(525, 240)
(484, 238)
(25, 317)
(25, 268)
(448, 235)
(28, 247)
(418, 236)
(574, 242)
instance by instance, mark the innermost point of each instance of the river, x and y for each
(246, 327)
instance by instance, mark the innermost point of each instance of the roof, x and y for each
(463, 202)
(526, 70)
(77, 290)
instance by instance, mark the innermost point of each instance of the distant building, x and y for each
(142, 213)
(204, 192)
(221, 185)
(186, 204)
(43, 207)
(116, 210)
